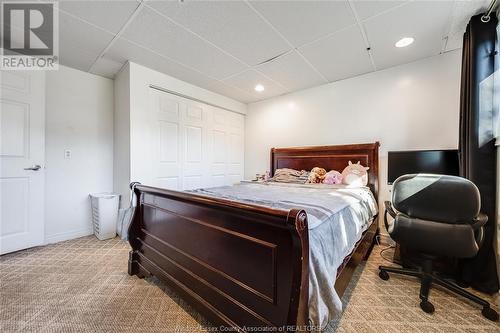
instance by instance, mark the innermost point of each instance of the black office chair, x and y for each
(436, 216)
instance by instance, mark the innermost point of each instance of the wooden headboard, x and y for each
(329, 158)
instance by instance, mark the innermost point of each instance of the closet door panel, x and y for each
(167, 160)
(193, 164)
(235, 121)
(218, 148)
(235, 164)
(219, 118)
(168, 165)
(169, 142)
(195, 114)
(168, 107)
(235, 126)
(219, 157)
(195, 145)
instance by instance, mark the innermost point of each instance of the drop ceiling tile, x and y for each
(231, 25)
(339, 56)
(366, 9)
(247, 81)
(305, 21)
(292, 71)
(80, 43)
(109, 15)
(159, 34)
(76, 58)
(230, 91)
(123, 50)
(427, 22)
(461, 14)
(106, 67)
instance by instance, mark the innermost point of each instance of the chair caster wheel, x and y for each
(490, 314)
(383, 275)
(427, 306)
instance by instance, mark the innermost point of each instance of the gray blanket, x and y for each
(337, 217)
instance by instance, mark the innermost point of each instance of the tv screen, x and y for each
(444, 162)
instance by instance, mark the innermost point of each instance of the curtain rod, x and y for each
(486, 16)
(190, 98)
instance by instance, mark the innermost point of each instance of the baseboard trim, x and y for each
(67, 235)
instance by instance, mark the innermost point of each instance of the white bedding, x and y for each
(337, 217)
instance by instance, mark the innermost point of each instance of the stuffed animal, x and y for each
(355, 175)
(316, 175)
(333, 177)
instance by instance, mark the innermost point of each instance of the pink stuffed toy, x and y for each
(355, 175)
(333, 177)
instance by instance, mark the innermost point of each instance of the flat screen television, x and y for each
(444, 162)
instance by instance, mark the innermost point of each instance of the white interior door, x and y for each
(22, 157)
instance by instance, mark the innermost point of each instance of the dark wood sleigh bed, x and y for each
(241, 265)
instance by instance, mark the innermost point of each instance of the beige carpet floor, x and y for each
(82, 285)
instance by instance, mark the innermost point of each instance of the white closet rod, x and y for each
(189, 97)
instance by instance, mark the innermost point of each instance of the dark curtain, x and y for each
(477, 142)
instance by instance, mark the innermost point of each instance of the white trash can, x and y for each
(104, 214)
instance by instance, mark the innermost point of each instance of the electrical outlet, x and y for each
(67, 154)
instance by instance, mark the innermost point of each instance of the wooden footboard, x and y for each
(239, 265)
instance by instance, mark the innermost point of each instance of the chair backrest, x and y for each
(442, 198)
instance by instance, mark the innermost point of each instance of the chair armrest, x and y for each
(390, 210)
(479, 221)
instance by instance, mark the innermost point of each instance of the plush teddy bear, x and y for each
(355, 175)
(316, 175)
(333, 177)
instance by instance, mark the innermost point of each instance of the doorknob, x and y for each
(34, 168)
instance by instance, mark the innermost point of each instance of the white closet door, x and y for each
(167, 164)
(197, 145)
(219, 148)
(236, 146)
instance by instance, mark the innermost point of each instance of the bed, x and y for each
(240, 264)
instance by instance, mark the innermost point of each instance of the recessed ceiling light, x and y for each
(259, 88)
(405, 41)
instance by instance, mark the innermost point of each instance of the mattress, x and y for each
(337, 217)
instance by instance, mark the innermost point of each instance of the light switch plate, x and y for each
(67, 153)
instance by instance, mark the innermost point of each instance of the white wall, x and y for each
(413, 106)
(134, 104)
(121, 135)
(79, 117)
